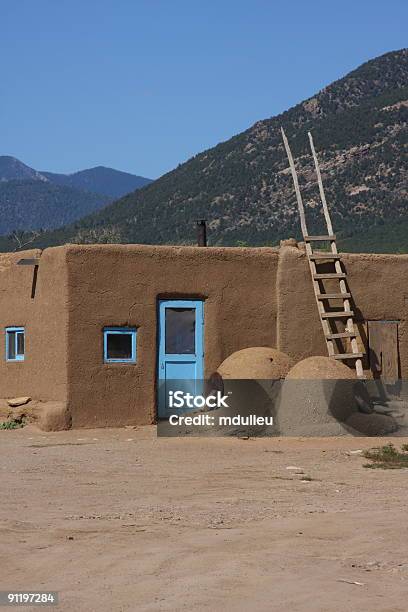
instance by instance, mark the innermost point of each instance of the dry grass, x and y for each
(387, 457)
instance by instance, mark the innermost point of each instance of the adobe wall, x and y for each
(379, 286)
(43, 373)
(120, 285)
(252, 296)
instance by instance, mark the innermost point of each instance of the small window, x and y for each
(15, 343)
(180, 331)
(119, 345)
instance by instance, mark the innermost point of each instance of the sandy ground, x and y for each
(120, 520)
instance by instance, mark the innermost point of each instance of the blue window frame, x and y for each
(15, 343)
(119, 344)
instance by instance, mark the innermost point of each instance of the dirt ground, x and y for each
(120, 520)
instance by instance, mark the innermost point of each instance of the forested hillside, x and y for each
(35, 204)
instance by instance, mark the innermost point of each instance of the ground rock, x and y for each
(54, 416)
(372, 424)
(18, 401)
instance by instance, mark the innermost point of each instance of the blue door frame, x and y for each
(179, 358)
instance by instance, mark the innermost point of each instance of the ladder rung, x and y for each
(329, 275)
(333, 296)
(337, 314)
(341, 335)
(319, 238)
(348, 356)
(324, 256)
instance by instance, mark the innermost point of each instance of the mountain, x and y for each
(13, 169)
(30, 200)
(112, 183)
(35, 204)
(243, 187)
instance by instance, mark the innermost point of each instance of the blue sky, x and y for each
(142, 85)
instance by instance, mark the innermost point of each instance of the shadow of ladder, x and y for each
(335, 340)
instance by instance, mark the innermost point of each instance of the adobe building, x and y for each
(90, 330)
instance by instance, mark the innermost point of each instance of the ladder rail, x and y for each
(321, 189)
(296, 184)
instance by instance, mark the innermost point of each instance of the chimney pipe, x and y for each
(202, 233)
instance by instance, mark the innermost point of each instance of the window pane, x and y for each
(180, 331)
(11, 345)
(119, 346)
(20, 343)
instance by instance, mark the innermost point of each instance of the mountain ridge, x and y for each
(33, 200)
(12, 168)
(100, 179)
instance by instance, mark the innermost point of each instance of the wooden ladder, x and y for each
(335, 339)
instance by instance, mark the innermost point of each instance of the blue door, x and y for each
(181, 349)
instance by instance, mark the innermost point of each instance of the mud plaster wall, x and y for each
(379, 286)
(253, 297)
(43, 373)
(120, 285)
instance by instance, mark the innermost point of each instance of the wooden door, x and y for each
(181, 349)
(383, 349)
